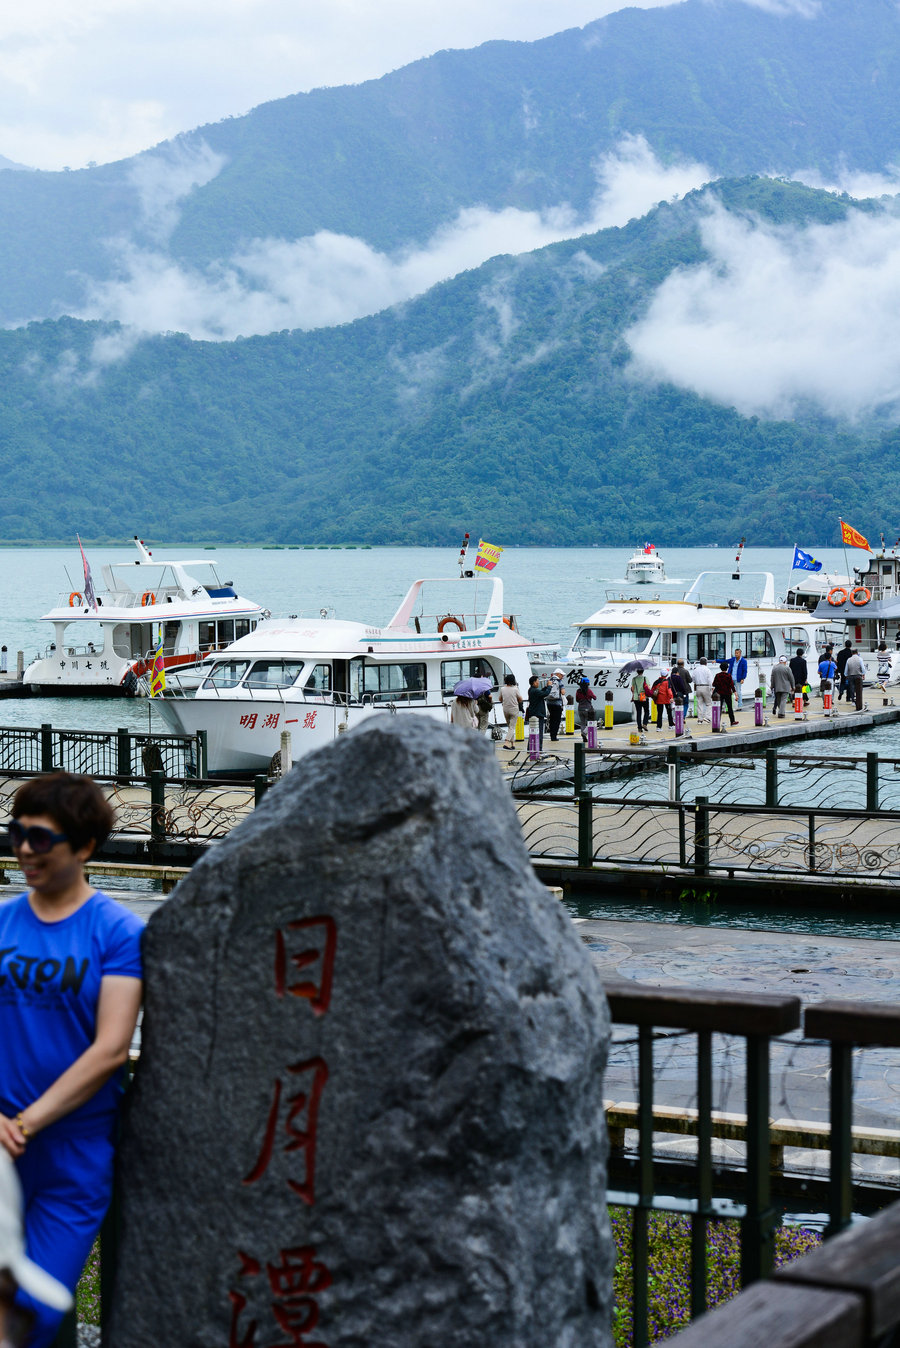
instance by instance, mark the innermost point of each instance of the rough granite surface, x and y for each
(369, 1104)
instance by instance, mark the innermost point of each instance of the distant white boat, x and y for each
(645, 567)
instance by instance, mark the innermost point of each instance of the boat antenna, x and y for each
(736, 573)
(462, 555)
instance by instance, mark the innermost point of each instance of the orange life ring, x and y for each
(76, 599)
(832, 596)
(148, 597)
(866, 595)
(457, 622)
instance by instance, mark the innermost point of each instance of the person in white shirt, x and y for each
(702, 675)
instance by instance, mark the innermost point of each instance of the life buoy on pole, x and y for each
(148, 597)
(449, 620)
(862, 590)
(837, 596)
(76, 599)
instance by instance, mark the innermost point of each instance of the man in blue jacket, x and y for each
(737, 668)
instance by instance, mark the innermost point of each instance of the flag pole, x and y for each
(846, 558)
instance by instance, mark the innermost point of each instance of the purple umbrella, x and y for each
(638, 666)
(472, 687)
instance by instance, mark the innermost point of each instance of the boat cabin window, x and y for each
(797, 636)
(629, 639)
(171, 633)
(215, 636)
(387, 683)
(710, 644)
(226, 674)
(273, 673)
(318, 685)
(454, 670)
(755, 645)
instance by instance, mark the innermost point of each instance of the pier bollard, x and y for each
(520, 729)
(591, 735)
(286, 755)
(608, 712)
(570, 720)
(20, 665)
(534, 740)
(827, 698)
(798, 703)
(679, 717)
(715, 714)
(758, 707)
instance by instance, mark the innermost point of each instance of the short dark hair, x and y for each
(75, 803)
(510, 680)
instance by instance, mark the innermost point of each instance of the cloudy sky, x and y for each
(98, 80)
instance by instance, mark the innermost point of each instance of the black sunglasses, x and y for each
(41, 840)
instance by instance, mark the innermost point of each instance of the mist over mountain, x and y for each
(516, 399)
(408, 179)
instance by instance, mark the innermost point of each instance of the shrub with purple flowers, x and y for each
(669, 1268)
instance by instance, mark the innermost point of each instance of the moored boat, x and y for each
(317, 677)
(103, 643)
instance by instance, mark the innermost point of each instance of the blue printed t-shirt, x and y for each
(50, 975)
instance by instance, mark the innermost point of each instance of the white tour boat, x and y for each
(702, 623)
(102, 650)
(316, 677)
(645, 567)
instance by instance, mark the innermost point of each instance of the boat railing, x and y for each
(123, 598)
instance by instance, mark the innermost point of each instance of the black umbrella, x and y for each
(638, 666)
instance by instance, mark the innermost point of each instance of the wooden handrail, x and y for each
(702, 1008)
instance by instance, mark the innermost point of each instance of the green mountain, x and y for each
(738, 87)
(503, 400)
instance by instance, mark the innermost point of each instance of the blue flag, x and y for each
(804, 561)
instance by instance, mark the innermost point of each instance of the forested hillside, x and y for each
(504, 400)
(737, 87)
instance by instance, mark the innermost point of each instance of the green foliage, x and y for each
(407, 426)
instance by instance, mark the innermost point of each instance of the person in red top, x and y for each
(662, 695)
(723, 684)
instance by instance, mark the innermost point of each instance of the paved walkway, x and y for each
(810, 967)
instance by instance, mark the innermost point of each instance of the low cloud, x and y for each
(780, 318)
(807, 9)
(163, 178)
(327, 278)
(856, 183)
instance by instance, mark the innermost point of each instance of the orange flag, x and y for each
(851, 538)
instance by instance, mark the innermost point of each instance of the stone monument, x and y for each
(368, 1112)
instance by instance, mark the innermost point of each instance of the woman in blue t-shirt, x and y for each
(70, 991)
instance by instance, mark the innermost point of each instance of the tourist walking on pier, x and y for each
(662, 695)
(684, 674)
(640, 696)
(800, 671)
(462, 713)
(854, 673)
(843, 656)
(511, 704)
(703, 680)
(69, 1001)
(723, 684)
(584, 698)
(537, 706)
(782, 686)
(737, 668)
(556, 701)
(827, 671)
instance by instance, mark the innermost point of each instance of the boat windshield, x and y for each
(274, 673)
(226, 674)
(625, 639)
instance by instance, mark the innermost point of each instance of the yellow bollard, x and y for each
(520, 729)
(570, 720)
(608, 714)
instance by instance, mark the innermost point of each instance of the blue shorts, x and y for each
(66, 1184)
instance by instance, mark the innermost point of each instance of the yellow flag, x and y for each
(488, 556)
(158, 672)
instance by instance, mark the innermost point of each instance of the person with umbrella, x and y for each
(467, 691)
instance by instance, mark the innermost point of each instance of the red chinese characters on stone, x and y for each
(294, 1284)
(295, 1137)
(301, 954)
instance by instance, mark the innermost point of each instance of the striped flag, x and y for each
(488, 556)
(157, 673)
(89, 595)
